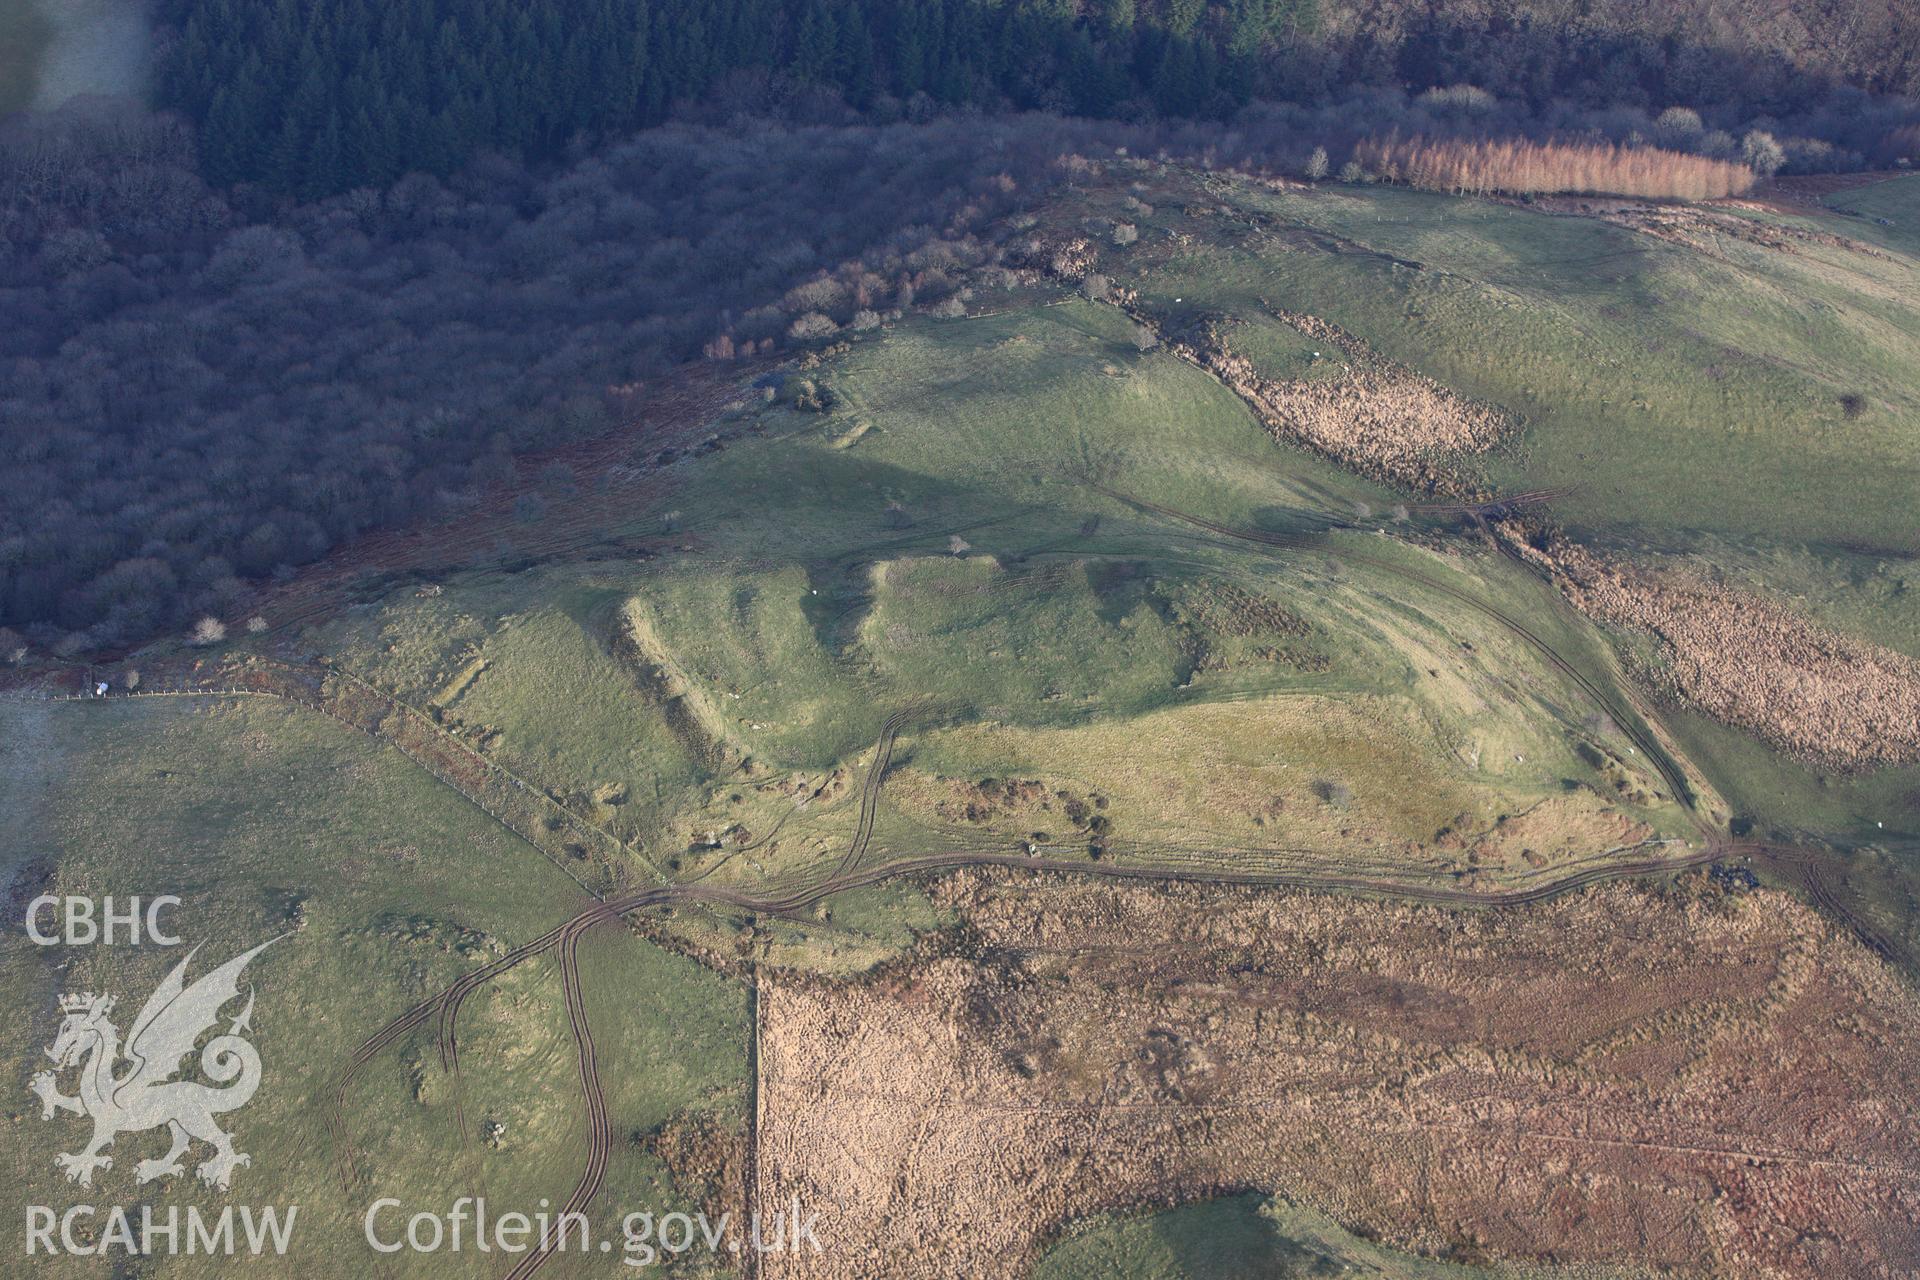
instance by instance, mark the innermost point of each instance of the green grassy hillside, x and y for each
(1024, 580)
(269, 820)
(1683, 389)
(1239, 1236)
(935, 543)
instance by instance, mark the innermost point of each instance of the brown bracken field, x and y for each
(1821, 695)
(1705, 1080)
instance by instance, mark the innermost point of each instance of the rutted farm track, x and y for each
(444, 1006)
(599, 862)
(519, 805)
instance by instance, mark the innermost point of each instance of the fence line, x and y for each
(520, 784)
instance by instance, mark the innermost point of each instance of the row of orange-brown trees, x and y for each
(1520, 167)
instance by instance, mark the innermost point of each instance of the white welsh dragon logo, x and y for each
(144, 1095)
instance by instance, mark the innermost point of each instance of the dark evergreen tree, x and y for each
(306, 96)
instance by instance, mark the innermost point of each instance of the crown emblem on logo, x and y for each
(132, 1088)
